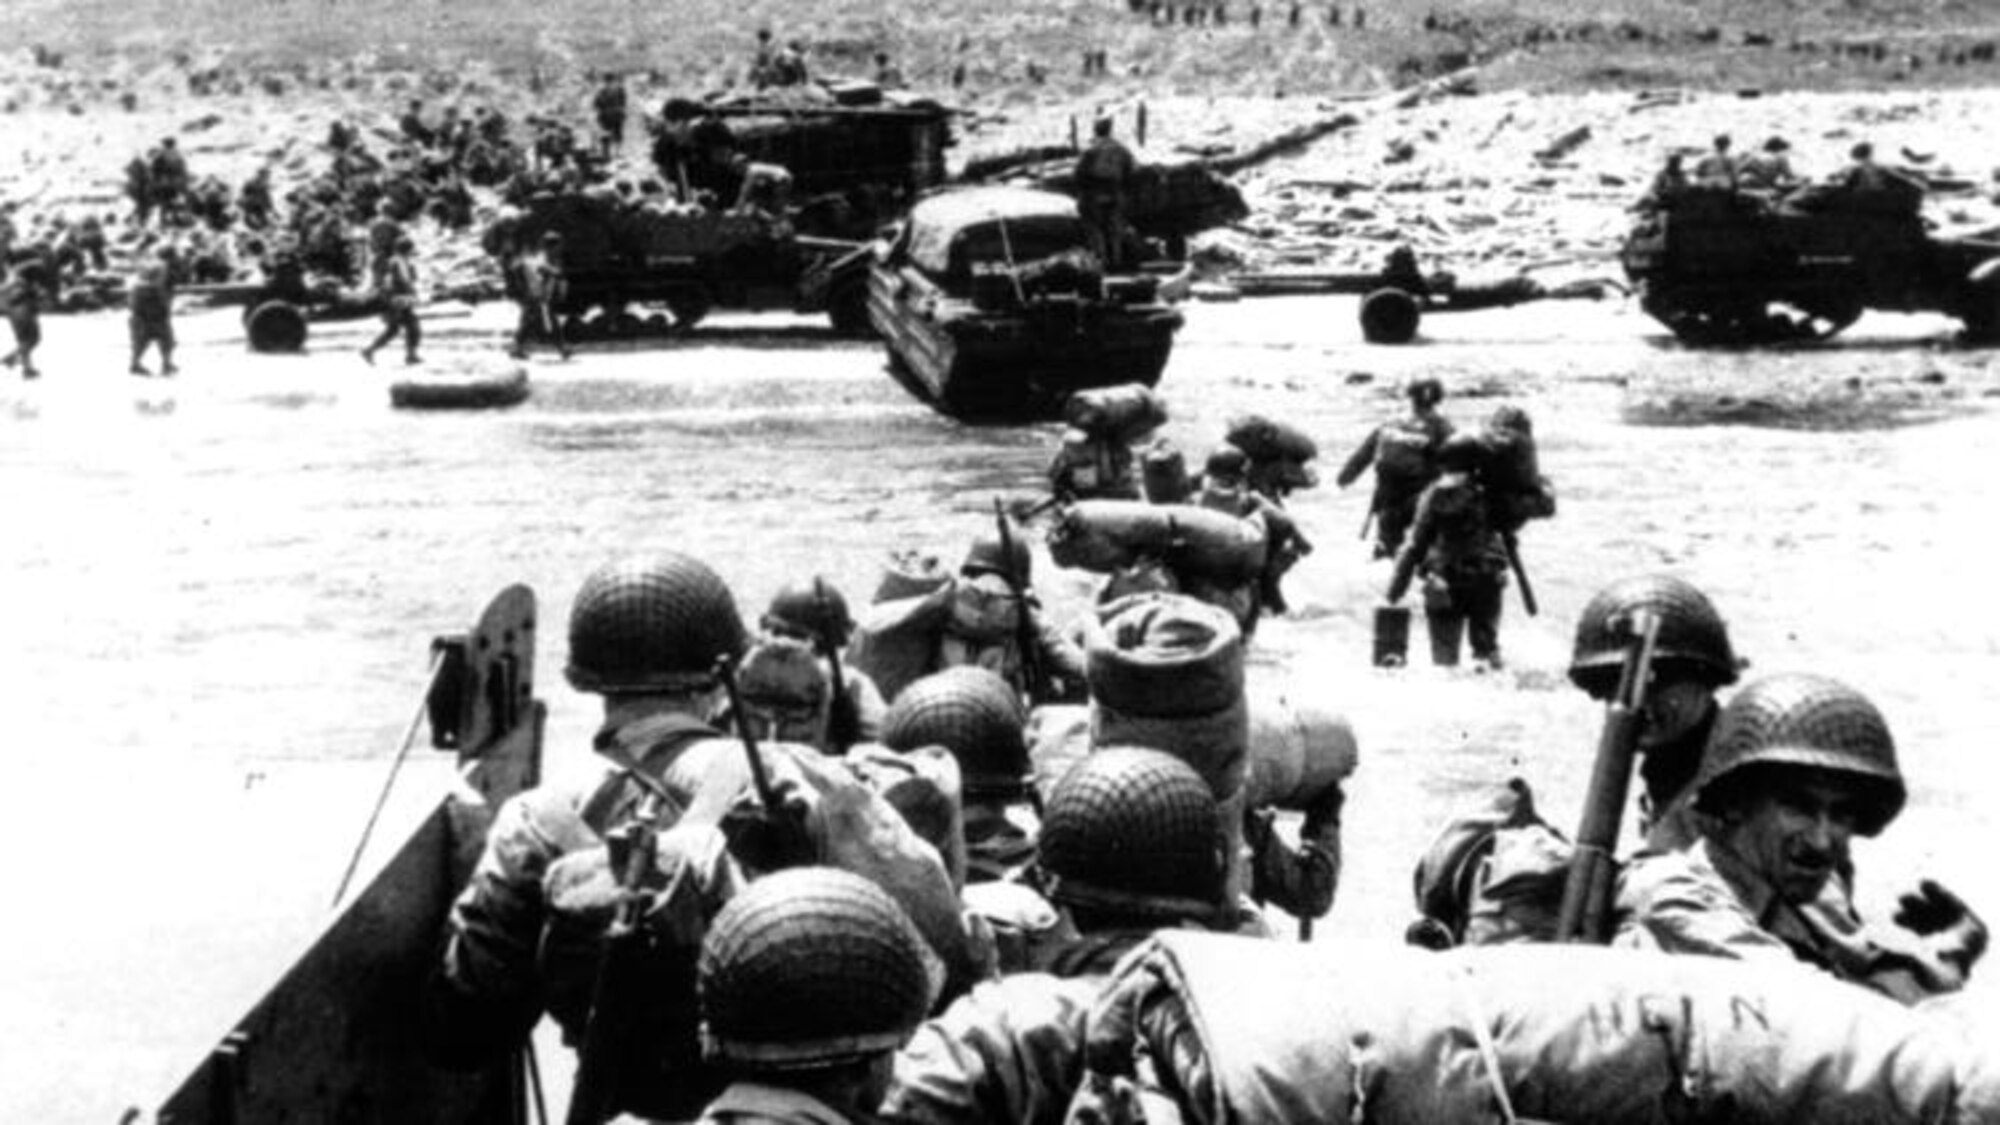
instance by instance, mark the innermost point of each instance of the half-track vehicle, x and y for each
(993, 306)
(1733, 267)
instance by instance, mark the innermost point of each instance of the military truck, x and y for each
(858, 156)
(619, 259)
(1733, 268)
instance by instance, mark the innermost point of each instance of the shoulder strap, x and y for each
(649, 738)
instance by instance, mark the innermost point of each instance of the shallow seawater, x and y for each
(221, 591)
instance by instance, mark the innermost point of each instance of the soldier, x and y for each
(537, 281)
(1128, 846)
(610, 106)
(1103, 176)
(383, 234)
(1798, 766)
(644, 634)
(810, 981)
(1692, 660)
(789, 67)
(253, 201)
(168, 177)
(23, 288)
(396, 291)
(412, 125)
(786, 694)
(974, 715)
(1768, 170)
(815, 613)
(1404, 454)
(1092, 465)
(151, 305)
(1463, 562)
(1669, 184)
(978, 619)
(1225, 487)
(1717, 169)
(763, 63)
(888, 75)
(139, 187)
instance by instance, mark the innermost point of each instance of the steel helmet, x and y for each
(986, 557)
(1226, 462)
(1134, 831)
(651, 623)
(1815, 722)
(1425, 391)
(973, 713)
(811, 609)
(783, 673)
(808, 967)
(1692, 636)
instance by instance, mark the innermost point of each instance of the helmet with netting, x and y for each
(1227, 462)
(986, 556)
(1132, 831)
(651, 623)
(973, 713)
(810, 967)
(1692, 638)
(1809, 722)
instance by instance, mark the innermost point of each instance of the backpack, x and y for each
(1405, 459)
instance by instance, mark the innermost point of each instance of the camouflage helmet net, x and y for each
(1133, 831)
(808, 967)
(1809, 721)
(653, 623)
(973, 713)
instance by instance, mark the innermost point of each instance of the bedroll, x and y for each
(1109, 535)
(1267, 440)
(1126, 412)
(1396, 1035)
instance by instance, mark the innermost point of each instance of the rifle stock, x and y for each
(1528, 601)
(1587, 892)
(608, 1040)
(1032, 671)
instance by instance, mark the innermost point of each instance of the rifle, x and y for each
(1368, 520)
(1586, 904)
(841, 721)
(1032, 671)
(1520, 574)
(628, 960)
(725, 670)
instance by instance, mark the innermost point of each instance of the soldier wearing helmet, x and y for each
(810, 980)
(786, 692)
(975, 716)
(976, 618)
(645, 634)
(814, 612)
(1404, 454)
(1797, 766)
(1692, 659)
(1225, 486)
(1461, 557)
(1129, 846)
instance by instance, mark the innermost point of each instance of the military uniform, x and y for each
(1103, 179)
(396, 290)
(1464, 565)
(1796, 764)
(151, 306)
(1403, 454)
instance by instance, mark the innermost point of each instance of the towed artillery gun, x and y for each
(1395, 298)
(1736, 268)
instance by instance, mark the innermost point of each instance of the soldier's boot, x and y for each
(1446, 629)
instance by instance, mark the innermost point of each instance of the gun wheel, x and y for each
(689, 308)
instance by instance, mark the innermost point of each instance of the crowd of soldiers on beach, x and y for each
(894, 852)
(1766, 174)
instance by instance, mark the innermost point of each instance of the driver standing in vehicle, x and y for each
(1103, 179)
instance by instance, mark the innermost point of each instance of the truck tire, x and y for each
(1389, 316)
(275, 326)
(689, 308)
